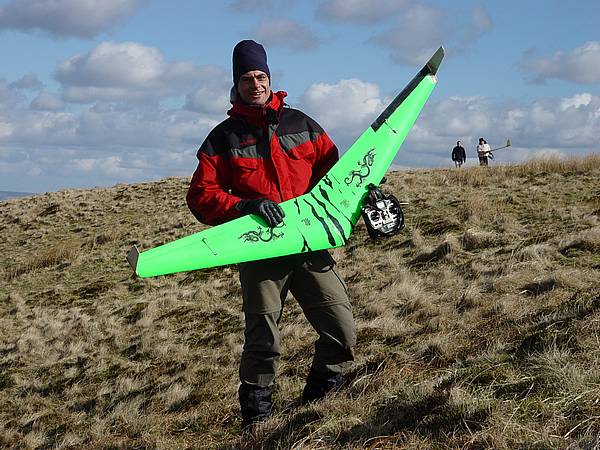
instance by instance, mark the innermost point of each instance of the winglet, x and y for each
(430, 68)
(434, 62)
(132, 257)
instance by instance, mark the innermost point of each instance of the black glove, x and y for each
(270, 211)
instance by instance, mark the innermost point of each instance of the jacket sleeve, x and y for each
(208, 196)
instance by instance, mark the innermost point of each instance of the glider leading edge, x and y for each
(320, 219)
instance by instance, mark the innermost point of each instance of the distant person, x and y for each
(483, 152)
(459, 156)
(263, 154)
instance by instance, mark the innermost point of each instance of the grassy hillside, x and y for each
(478, 326)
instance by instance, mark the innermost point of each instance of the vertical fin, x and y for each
(132, 258)
(430, 68)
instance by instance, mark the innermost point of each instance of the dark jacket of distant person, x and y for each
(459, 155)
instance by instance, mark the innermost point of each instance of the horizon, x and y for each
(9, 195)
(125, 91)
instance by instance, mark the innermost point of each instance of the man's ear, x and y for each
(233, 94)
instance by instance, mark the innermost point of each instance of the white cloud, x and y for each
(129, 71)
(6, 129)
(566, 125)
(46, 101)
(104, 144)
(580, 65)
(419, 29)
(461, 116)
(361, 12)
(28, 81)
(44, 129)
(112, 166)
(416, 35)
(576, 101)
(481, 22)
(208, 100)
(344, 108)
(67, 18)
(288, 33)
(9, 96)
(113, 64)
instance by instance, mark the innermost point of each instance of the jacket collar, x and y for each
(262, 115)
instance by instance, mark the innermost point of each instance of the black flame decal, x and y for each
(262, 234)
(365, 169)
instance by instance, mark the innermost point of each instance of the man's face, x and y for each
(254, 88)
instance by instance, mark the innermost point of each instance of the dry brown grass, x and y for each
(482, 176)
(478, 326)
(59, 253)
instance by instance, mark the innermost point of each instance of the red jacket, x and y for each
(272, 152)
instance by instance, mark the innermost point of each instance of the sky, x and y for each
(101, 92)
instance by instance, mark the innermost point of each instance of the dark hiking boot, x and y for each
(319, 384)
(255, 404)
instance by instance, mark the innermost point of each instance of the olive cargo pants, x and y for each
(314, 282)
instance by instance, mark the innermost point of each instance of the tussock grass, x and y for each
(478, 325)
(584, 241)
(536, 252)
(560, 165)
(473, 239)
(55, 254)
(479, 207)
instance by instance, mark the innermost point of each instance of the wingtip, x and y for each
(434, 62)
(132, 258)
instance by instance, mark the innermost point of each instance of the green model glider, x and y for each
(320, 219)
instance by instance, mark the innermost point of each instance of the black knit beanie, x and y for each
(248, 55)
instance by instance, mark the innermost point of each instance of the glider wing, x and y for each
(320, 219)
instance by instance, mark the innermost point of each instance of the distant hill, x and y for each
(478, 324)
(7, 195)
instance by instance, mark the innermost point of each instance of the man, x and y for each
(263, 154)
(459, 156)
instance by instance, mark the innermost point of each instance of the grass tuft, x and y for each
(55, 254)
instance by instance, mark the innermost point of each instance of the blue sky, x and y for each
(100, 92)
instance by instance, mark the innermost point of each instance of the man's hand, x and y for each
(270, 211)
